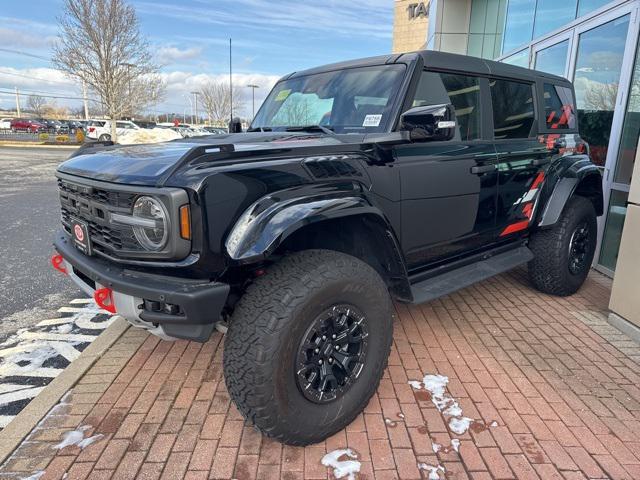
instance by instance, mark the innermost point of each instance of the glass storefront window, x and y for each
(519, 59)
(587, 6)
(598, 65)
(613, 229)
(630, 130)
(519, 25)
(553, 14)
(553, 59)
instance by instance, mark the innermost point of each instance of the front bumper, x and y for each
(200, 302)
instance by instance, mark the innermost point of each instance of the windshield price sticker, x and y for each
(372, 120)
(282, 95)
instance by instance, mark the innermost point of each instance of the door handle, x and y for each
(483, 169)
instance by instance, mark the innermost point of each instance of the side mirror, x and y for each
(429, 123)
(235, 126)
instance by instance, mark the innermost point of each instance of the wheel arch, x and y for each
(347, 224)
(580, 178)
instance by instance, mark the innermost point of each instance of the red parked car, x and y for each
(24, 125)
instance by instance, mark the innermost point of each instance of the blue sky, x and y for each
(190, 38)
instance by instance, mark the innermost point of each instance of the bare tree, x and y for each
(100, 43)
(216, 99)
(37, 103)
(601, 96)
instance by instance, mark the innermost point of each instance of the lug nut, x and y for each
(331, 360)
(317, 350)
(337, 347)
(320, 362)
(324, 337)
(333, 336)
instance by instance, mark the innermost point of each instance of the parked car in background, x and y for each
(26, 125)
(145, 124)
(5, 123)
(215, 130)
(101, 129)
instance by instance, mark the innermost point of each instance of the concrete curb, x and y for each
(36, 145)
(27, 419)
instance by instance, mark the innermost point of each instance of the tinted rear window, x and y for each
(513, 110)
(96, 124)
(559, 107)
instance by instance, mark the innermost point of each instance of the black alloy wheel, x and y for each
(331, 354)
(579, 248)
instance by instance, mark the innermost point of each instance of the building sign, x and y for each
(417, 10)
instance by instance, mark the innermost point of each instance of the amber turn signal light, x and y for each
(185, 222)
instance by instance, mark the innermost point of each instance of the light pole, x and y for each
(253, 98)
(195, 102)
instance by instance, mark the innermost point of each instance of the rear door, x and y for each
(448, 189)
(521, 157)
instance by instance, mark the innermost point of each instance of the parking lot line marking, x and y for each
(76, 301)
(5, 419)
(19, 395)
(12, 387)
(55, 321)
(80, 309)
(69, 337)
(11, 369)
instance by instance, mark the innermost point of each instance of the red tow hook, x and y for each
(58, 263)
(104, 299)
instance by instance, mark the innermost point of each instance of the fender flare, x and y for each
(269, 221)
(569, 181)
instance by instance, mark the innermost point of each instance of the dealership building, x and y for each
(594, 43)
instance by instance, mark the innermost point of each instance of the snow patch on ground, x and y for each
(436, 385)
(33, 357)
(342, 468)
(436, 447)
(66, 328)
(455, 444)
(493, 424)
(35, 476)
(76, 437)
(434, 472)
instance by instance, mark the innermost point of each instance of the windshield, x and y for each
(355, 100)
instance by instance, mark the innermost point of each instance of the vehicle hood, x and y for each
(149, 164)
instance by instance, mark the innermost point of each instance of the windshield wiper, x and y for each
(311, 128)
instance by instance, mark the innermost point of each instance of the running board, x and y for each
(462, 277)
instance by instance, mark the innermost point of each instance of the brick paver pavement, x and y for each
(552, 389)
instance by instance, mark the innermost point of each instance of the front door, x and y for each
(448, 189)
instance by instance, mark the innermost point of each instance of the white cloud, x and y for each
(169, 54)
(10, 37)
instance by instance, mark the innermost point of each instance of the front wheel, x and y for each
(307, 345)
(564, 252)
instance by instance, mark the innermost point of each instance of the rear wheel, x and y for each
(104, 137)
(307, 345)
(564, 253)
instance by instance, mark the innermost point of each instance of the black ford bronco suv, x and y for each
(401, 177)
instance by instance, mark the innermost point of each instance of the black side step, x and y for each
(453, 280)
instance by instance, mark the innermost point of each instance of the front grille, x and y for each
(93, 205)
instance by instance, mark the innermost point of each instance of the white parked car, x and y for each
(101, 129)
(5, 123)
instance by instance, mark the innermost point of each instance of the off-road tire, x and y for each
(105, 137)
(268, 325)
(549, 270)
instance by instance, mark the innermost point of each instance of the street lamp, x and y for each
(253, 98)
(195, 99)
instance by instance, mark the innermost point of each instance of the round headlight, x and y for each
(153, 231)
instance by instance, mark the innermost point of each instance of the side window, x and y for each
(513, 111)
(464, 95)
(462, 91)
(559, 107)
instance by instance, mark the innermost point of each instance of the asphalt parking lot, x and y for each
(30, 290)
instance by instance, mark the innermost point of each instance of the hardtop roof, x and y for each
(445, 61)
